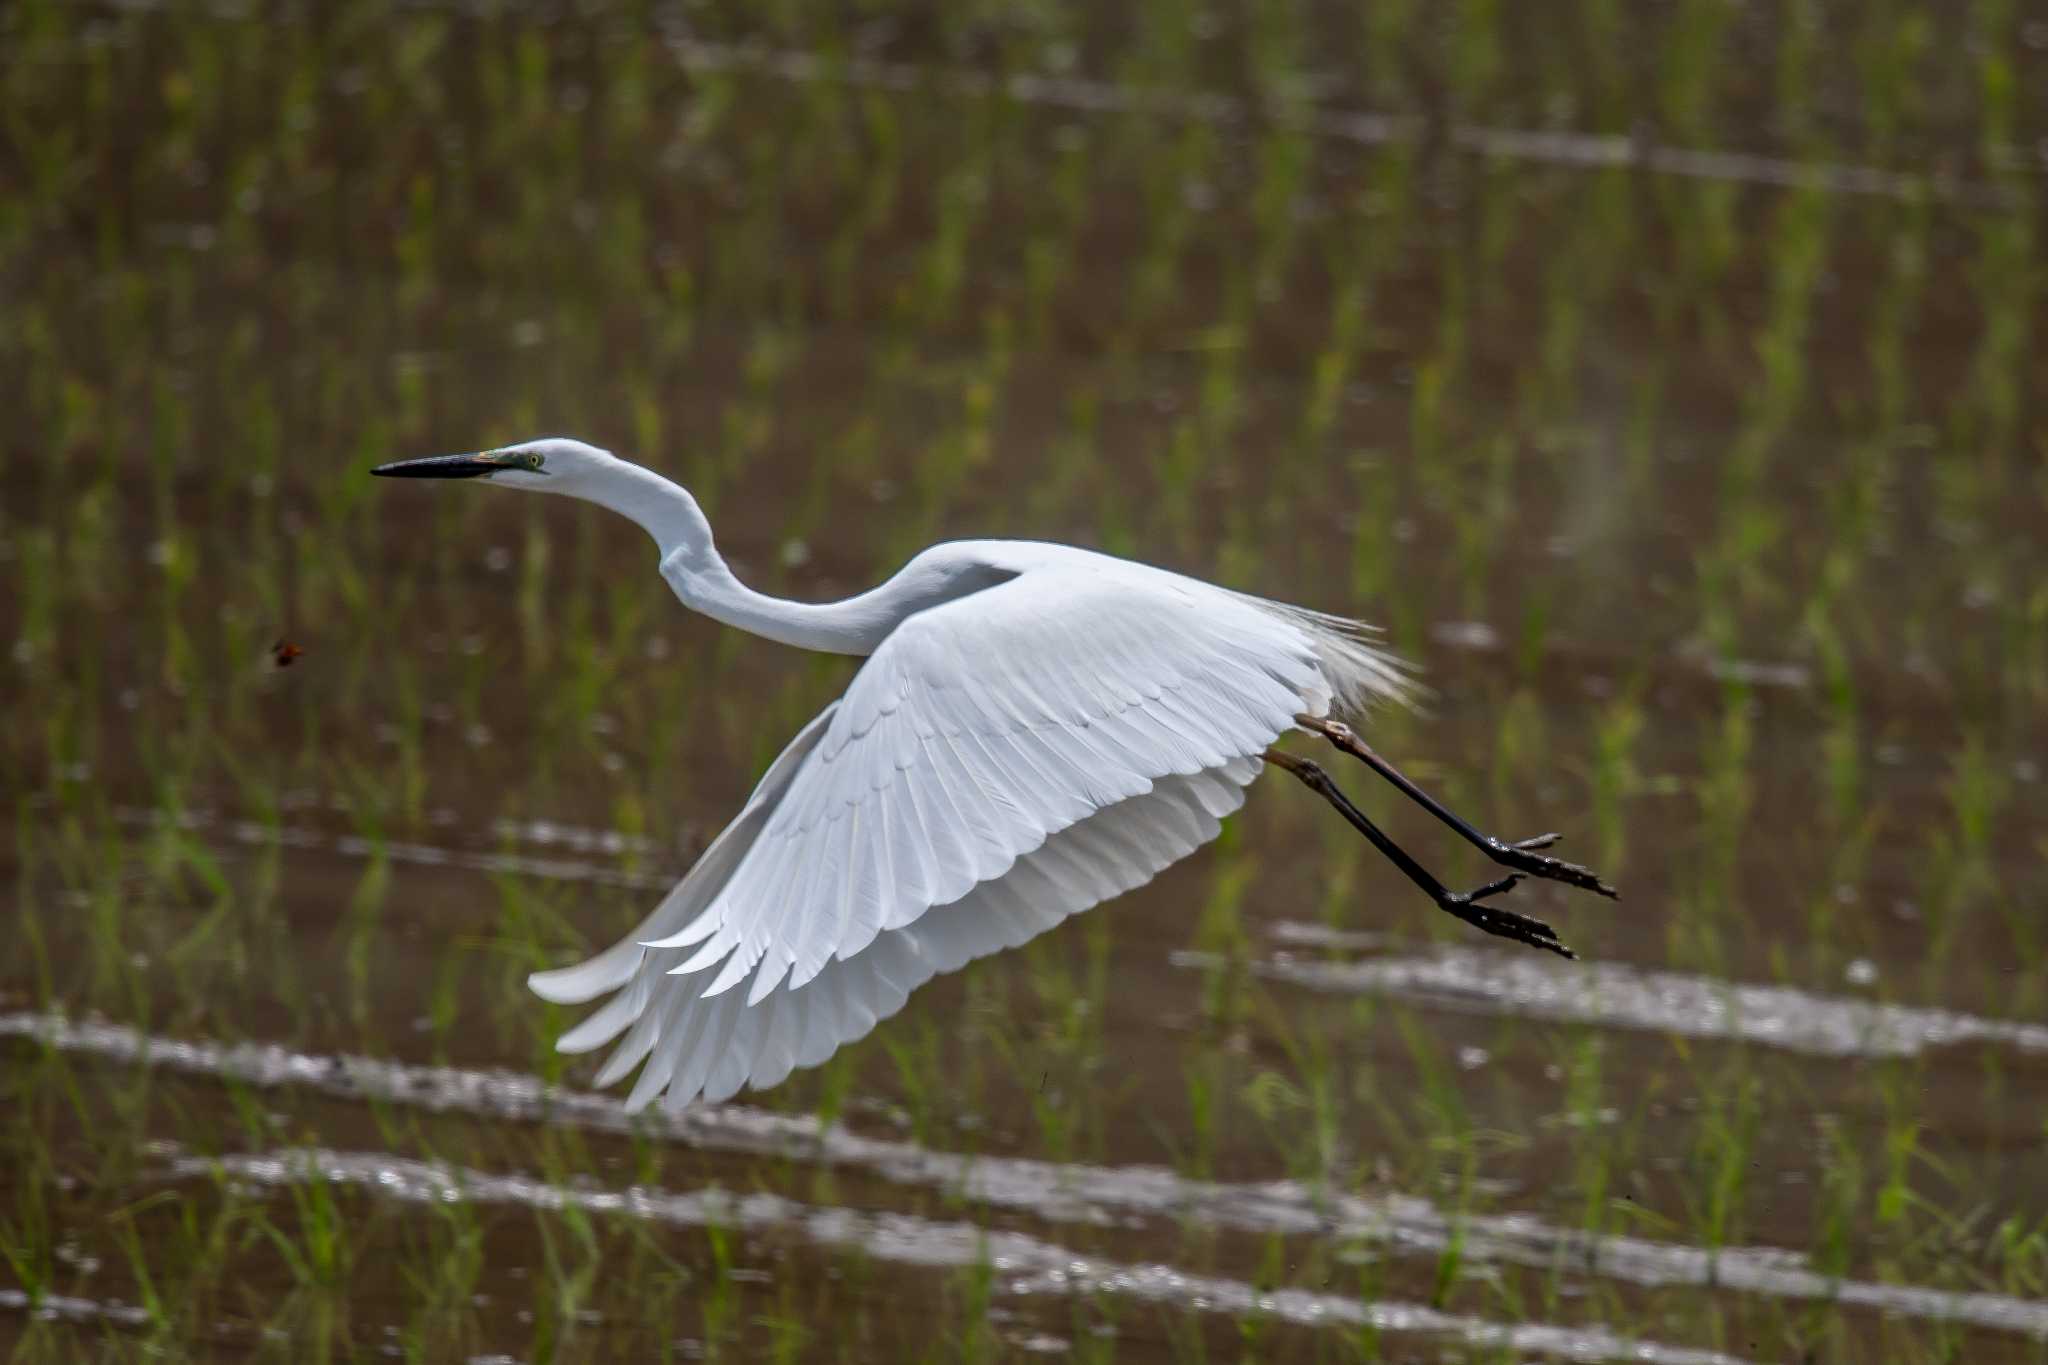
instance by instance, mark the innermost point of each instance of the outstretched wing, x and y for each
(978, 729)
(1001, 761)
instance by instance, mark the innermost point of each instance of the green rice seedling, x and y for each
(213, 946)
(1481, 528)
(1474, 60)
(1051, 251)
(310, 1325)
(1800, 233)
(1588, 1114)
(2019, 1252)
(517, 944)
(1068, 1049)
(1890, 46)
(1521, 748)
(972, 1293)
(202, 1237)
(1987, 419)
(29, 1232)
(158, 1316)
(1284, 159)
(918, 1053)
(1220, 931)
(788, 1333)
(1186, 1340)
(1094, 1325)
(1205, 1087)
(317, 1248)
(1961, 871)
(1372, 549)
(116, 981)
(716, 1297)
(444, 999)
(1303, 1109)
(1170, 219)
(1799, 44)
(1551, 384)
(1332, 373)
(1998, 85)
(1903, 1155)
(1687, 64)
(571, 1258)
(1721, 1161)
(1616, 778)
(1840, 1207)
(1726, 789)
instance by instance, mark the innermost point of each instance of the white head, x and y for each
(553, 464)
(556, 464)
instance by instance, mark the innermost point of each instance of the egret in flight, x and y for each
(1036, 729)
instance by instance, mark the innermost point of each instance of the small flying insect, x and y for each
(284, 651)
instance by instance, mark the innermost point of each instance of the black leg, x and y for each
(1520, 856)
(1466, 905)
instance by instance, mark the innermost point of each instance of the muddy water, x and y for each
(1666, 384)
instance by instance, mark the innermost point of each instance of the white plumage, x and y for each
(1036, 729)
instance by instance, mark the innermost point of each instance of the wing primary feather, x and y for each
(735, 1060)
(915, 853)
(778, 1047)
(668, 1046)
(952, 854)
(602, 1026)
(976, 814)
(997, 764)
(957, 811)
(721, 1015)
(870, 901)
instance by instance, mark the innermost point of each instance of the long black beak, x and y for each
(440, 467)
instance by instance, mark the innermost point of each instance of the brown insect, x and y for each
(284, 651)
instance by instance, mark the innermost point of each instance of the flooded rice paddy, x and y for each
(1667, 379)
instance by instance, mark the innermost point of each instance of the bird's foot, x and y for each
(1522, 857)
(1468, 906)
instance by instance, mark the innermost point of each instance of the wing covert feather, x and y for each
(1002, 761)
(976, 730)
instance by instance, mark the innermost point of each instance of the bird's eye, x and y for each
(532, 460)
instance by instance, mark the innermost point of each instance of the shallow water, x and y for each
(1665, 381)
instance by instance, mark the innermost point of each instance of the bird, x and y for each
(1035, 728)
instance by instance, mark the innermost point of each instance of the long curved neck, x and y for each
(701, 578)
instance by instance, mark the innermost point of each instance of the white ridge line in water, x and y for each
(1621, 996)
(1558, 148)
(55, 1307)
(254, 834)
(1608, 993)
(1053, 1191)
(1024, 1266)
(1085, 95)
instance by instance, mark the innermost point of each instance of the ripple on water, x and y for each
(1621, 996)
(1024, 1266)
(1051, 1191)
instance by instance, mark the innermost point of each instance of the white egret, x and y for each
(1036, 729)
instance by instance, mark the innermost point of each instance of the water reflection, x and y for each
(1024, 1266)
(1052, 1191)
(1617, 995)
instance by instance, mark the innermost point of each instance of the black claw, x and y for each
(1469, 905)
(1506, 883)
(1520, 857)
(1500, 922)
